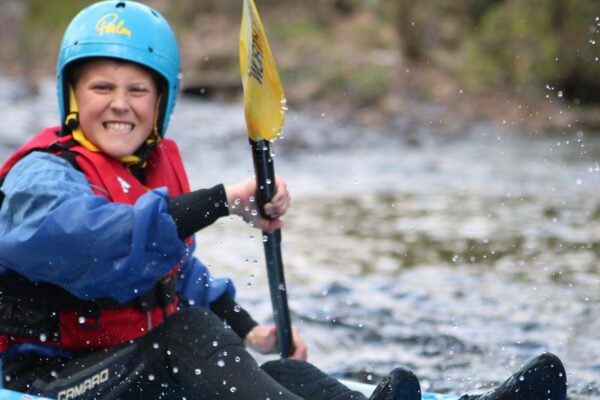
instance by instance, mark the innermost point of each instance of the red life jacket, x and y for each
(109, 323)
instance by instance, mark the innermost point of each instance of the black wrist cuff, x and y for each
(198, 209)
(233, 314)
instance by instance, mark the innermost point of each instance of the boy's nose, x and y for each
(119, 102)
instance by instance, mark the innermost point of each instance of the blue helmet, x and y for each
(125, 30)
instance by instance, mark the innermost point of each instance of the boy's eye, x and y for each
(139, 89)
(101, 87)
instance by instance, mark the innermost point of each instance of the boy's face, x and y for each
(117, 101)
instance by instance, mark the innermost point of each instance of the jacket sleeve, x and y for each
(198, 288)
(54, 229)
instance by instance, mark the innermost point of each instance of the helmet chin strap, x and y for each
(72, 122)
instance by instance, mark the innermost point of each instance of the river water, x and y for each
(460, 258)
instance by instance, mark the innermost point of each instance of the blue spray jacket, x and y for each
(54, 229)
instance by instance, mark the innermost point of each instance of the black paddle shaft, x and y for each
(265, 178)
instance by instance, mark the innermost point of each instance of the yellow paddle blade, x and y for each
(264, 101)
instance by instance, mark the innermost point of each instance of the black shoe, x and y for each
(543, 378)
(400, 384)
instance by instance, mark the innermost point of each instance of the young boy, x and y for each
(100, 294)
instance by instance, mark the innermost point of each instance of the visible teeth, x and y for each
(119, 126)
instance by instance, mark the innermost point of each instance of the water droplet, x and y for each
(151, 377)
(155, 345)
(233, 389)
(221, 363)
(197, 371)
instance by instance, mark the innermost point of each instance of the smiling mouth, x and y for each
(118, 126)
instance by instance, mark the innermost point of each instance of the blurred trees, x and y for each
(361, 48)
(30, 34)
(517, 45)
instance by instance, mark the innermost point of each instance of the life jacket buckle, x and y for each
(89, 316)
(167, 291)
(56, 147)
(161, 295)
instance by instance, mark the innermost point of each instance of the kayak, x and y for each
(367, 390)
(363, 388)
(6, 394)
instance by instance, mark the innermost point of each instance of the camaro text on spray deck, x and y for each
(88, 384)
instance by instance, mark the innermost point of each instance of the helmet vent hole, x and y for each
(120, 4)
(150, 49)
(155, 13)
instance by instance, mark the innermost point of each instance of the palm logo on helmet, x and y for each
(110, 24)
(125, 30)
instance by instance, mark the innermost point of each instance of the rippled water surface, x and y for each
(460, 258)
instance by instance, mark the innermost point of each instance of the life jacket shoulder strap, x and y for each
(49, 141)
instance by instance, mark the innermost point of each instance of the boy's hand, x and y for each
(242, 201)
(264, 340)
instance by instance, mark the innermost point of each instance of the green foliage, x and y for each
(493, 45)
(486, 45)
(522, 44)
(515, 45)
(43, 14)
(370, 83)
(36, 36)
(302, 29)
(480, 7)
